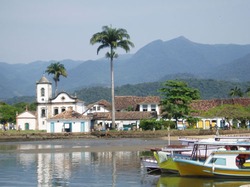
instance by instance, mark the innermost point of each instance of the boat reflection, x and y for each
(177, 181)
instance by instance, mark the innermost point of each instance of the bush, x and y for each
(156, 124)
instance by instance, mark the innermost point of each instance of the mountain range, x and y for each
(156, 61)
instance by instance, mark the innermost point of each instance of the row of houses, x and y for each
(66, 113)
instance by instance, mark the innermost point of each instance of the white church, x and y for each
(62, 113)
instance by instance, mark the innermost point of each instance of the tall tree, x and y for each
(57, 69)
(176, 99)
(112, 38)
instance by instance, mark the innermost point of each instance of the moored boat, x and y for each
(198, 152)
(220, 163)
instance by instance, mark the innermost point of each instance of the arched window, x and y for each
(63, 109)
(55, 111)
(42, 92)
(43, 114)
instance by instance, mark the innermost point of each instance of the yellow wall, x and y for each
(200, 124)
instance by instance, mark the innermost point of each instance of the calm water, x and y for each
(52, 163)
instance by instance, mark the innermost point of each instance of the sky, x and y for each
(32, 30)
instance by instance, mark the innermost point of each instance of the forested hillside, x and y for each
(208, 88)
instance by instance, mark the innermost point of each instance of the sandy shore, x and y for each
(94, 145)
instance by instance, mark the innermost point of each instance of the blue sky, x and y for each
(46, 30)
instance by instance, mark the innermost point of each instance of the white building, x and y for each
(26, 121)
(49, 106)
(68, 121)
(129, 111)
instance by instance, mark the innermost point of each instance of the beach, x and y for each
(94, 144)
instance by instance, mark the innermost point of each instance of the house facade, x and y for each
(217, 121)
(26, 121)
(69, 121)
(130, 110)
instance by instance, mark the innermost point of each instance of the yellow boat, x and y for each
(199, 151)
(177, 181)
(218, 164)
(165, 157)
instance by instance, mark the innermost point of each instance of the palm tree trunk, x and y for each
(112, 92)
(56, 88)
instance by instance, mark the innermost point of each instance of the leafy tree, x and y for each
(22, 106)
(192, 121)
(57, 70)
(112, 38)
(176, 99)
(8, 113)
(236, 92)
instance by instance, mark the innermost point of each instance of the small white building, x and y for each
(26, 121)
(68, 121)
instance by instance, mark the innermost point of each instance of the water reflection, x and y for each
(176, 181)
(59, 164)
(52, 168)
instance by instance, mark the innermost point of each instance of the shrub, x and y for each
(156, 124)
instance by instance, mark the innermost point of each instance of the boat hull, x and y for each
(194, 168)
(167, 166)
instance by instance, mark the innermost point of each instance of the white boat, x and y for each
(150, 164)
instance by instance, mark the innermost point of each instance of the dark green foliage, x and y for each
(235, 92)
(176, 99)
(22, 99)
(94, 94)
(56, 69)
(8, 113)
(209, 89)
(22, 106)
(156, 124)
(192, 121)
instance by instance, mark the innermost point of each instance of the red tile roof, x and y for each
(134, 115)
(205, 105)
(70, 114)
(103, 103)
(125, 102)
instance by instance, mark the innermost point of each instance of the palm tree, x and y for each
(57, 70)
(112, 38)
(236, 92)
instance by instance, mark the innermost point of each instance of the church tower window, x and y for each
(42, 92)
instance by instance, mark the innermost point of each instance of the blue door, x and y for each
(68, 127)
(27, 126)
(52, 127)
(82, 126)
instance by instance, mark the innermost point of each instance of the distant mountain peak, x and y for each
(180, 39)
